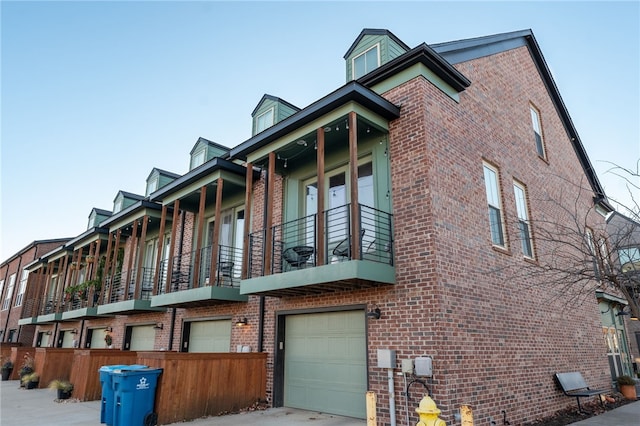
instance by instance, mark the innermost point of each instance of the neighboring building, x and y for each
(624, 237)
(14, 290)
(353, 236)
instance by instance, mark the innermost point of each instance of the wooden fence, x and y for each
(86, 365)
(17, 356)
(53, 363)
(193, 385)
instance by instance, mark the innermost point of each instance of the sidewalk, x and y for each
(36, 407)
(627, 415)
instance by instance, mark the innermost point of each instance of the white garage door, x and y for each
(210, 336)
(97, 338)
(68, 339)
(143, 338)
(325, 363)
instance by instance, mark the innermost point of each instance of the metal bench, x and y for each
(573, 384)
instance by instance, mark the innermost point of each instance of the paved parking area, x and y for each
(36, 407)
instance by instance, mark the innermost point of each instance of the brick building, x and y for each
(14, 290)
(347, 239)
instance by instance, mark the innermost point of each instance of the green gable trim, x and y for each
(413, 72)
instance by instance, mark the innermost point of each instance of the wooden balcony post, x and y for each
(107, 270)
(268, 240)
(248, 196)
(114, 265)
(132, 250)
(142, 248)
(172, 244)
(216, 233)
(199, 231)
(320, 235)
(156, 277)
(353, 160)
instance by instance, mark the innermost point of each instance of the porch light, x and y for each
(74, 331)
(374, 313)
(159, 326)
(241, 322)
(108, 329)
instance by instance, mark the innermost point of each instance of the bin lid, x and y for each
(136, 371)
(111, 367)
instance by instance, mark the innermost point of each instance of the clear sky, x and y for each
(96, 94)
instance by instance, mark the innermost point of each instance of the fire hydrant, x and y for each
(428, 412)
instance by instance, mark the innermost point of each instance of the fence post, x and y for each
(371, 409)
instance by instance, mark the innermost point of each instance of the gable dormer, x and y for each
(97, 216)
(204, 150)
(159, 178)
(371, 49)
(125, 199)
(269, 111)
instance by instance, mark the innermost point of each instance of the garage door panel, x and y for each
(325, 362)
(142, 338)
(210, 336)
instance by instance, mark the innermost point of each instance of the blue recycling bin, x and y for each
(134, 394)
(106, 408)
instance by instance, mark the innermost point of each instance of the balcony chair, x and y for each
(297, 256)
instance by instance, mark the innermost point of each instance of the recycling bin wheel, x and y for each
(151, 419)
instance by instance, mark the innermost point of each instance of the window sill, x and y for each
(501, 249)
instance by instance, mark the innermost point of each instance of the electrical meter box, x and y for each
(386, 358)
(423, 366)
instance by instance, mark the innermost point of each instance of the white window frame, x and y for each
(524, 225)
(366, 66)
(117, 206)
(494, 201)
(152, 186)
(536, 124)
(7, 298)
(22, 288)
(198, 158)
(261, 122)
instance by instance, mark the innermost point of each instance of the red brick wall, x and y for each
(9, 318)
(495, 339)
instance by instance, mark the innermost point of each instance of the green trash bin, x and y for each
(106, 408)
(134, 394)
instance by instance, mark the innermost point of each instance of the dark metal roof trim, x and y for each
(373, 31)
(465, 50)
(275, 99)
(421, 54)
(85, 234)
(129, 195)
(32, 244)
(132, 208)
(210, 143)
(163, 173)
(101, 212)
(352, 91)
(202, 170)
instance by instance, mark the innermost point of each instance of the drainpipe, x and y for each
(262, 304)
(173, 324)
(81, 333)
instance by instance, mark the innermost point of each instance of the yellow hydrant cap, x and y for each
(427, 406)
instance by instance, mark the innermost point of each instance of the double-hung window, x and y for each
(7, 298)
(495, 208)
(366, 62)
(523, 218)
(22, 288)
(264, 120)
(537, 131)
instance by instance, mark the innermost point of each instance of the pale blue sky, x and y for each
(96, 94)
